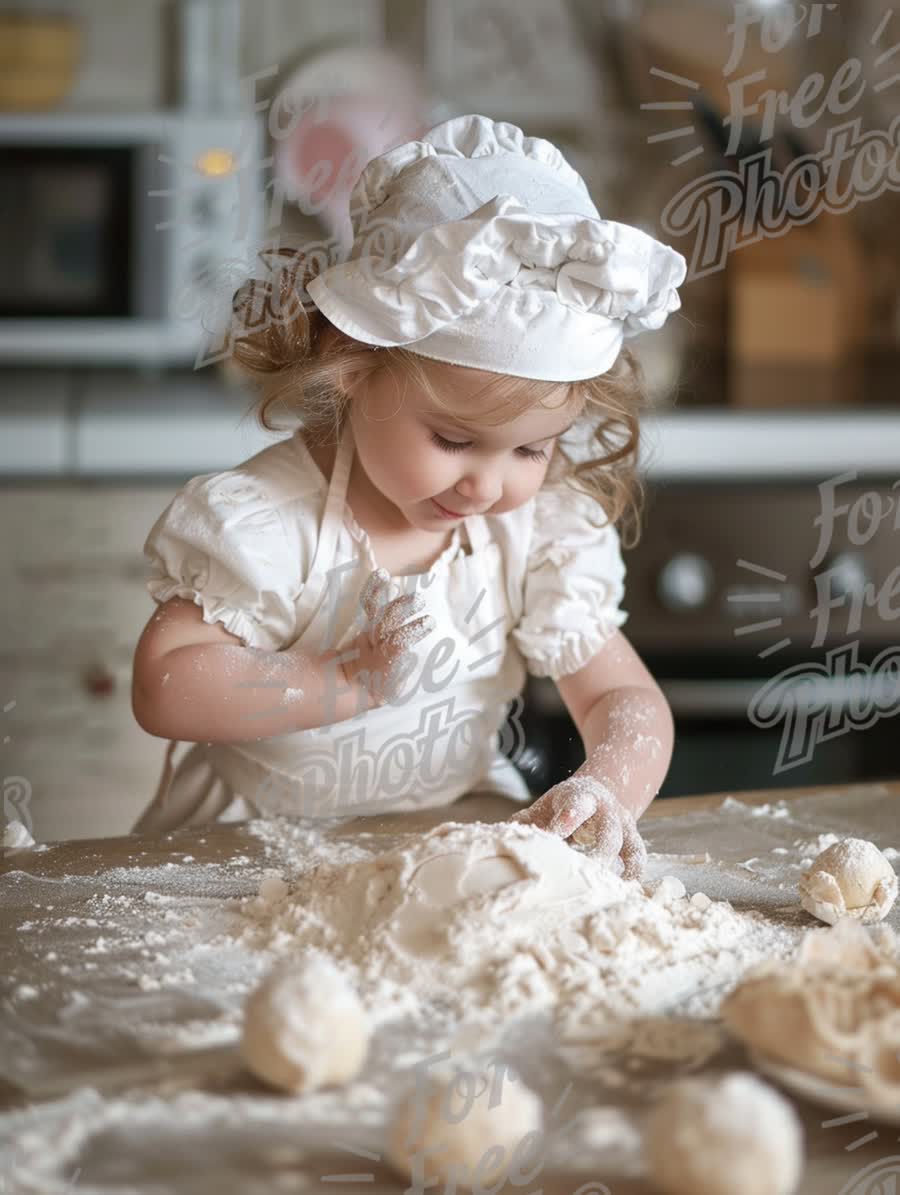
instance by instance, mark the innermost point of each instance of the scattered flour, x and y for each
(815, 846)
(448, 937)
(778, 810)
(16, 836)
(492, 921)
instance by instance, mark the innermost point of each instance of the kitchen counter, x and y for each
(122, 1039)
(115, 425)
(680, 806)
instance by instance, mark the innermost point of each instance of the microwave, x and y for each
(124, 235)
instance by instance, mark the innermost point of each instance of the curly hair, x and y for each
(299, 362)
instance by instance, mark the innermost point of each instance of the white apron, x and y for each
(440, 744)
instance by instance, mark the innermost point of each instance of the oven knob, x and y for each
(847, 575)
(202, 270)
(203, 209)
(685, 582)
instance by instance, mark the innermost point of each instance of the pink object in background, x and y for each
(353, 104)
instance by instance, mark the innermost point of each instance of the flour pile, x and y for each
(489, 921)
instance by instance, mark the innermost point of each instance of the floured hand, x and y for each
(380, 652)
(585, 810)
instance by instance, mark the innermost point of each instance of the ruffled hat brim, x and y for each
(505, 284)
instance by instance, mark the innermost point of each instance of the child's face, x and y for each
(406, 445)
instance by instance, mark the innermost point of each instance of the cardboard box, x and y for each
(797, 385)
(800, 297)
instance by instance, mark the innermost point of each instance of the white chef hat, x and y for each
(480, 246)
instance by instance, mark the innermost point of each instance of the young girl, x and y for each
(346, 617)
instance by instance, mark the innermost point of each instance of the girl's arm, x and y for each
(196, 682)
(628, 733)
(624, 721)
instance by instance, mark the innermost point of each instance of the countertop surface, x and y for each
(95, 1061)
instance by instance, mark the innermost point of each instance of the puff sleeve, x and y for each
(222, 543)
(573, 584)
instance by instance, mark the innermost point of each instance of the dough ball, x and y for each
(852, 878)
(472, 1129)
(731, 1136)
(305, 1027)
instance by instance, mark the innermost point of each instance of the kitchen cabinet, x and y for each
(74, 761)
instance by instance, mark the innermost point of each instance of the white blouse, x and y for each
(239, 544)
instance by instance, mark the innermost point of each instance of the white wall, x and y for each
(124, 46)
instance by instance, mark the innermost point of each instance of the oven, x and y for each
(770, 616)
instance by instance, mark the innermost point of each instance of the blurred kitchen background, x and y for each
(149, 151)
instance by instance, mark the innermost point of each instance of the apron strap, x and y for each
(477, 531)
(188, 794)
(333, 515)
(314, 587)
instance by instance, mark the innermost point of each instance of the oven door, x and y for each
(71, 233)
(734, 734)
(747, 734)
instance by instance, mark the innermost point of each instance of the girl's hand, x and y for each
(586, 810)
(383, 647)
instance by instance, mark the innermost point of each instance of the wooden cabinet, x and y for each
(72, 607)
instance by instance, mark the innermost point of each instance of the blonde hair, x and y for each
(300, 363)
